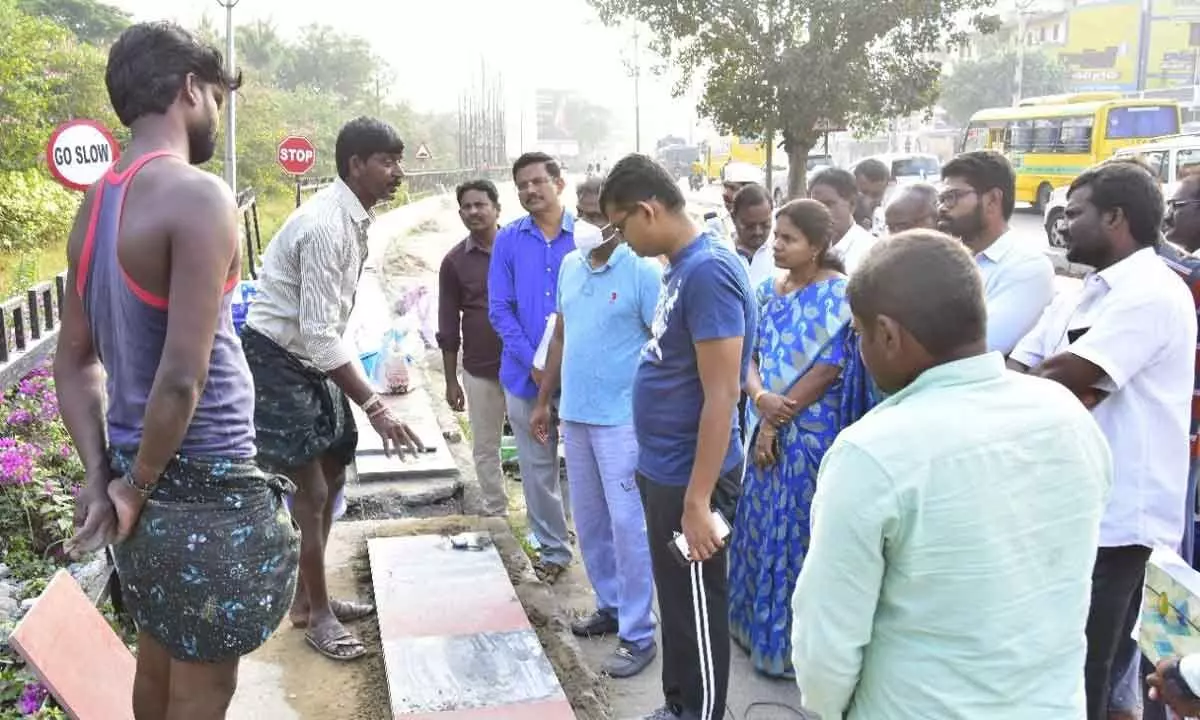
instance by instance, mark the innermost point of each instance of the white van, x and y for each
(1168, 158)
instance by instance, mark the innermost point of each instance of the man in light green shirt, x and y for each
(955, 526)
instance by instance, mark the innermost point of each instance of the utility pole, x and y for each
(231, 101)
(637, 94)
(1019, 75)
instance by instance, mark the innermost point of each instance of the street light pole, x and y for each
(637, 94)
(231, 101)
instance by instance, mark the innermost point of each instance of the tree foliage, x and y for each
(90, 21)
(52, 63)
(990, 81)
(794, 67)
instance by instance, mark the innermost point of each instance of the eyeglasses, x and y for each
(1175, 204)
(950, 198)
(616, 229)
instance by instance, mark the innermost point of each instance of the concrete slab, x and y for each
(462, 592)
(455, 638)
(415, 410)
(463, 672)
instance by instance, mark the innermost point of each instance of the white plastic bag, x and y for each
(391, 371)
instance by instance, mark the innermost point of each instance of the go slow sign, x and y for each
(80, 152)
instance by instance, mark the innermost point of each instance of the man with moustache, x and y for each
(155, 392)
(305, 373)
(734, 177)
(836, 190)
(1125, 344)
(976, 203)
(753, 221)
(522, 287)
(912, 207)
(873, 178)
(463, 324)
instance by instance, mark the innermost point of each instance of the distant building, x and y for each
(1130, 46)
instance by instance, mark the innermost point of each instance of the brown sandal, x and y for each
(338, 645)
(344, 610)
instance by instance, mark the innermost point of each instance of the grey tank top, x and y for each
(129, 328)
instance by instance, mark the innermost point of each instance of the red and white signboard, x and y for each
(297, 155)
(80, 152)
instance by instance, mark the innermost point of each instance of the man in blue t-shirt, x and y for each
(685, 398)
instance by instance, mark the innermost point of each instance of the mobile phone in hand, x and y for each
(678, 546)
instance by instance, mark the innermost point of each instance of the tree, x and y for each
(790, 68)
(990, 81)
(328, 61)
(260, 47)
(590, 124)
(91, 21)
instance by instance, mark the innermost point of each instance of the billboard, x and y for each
(1101, 48)
(553, 122)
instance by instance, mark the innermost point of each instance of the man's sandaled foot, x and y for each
(344, 610)
(335, 642)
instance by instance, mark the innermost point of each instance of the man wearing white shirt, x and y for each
(836, 190)
(752, 219)
(1125, 345)
(975, 206)
(734, 177)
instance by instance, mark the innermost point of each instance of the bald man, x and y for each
(913, 207)
(903, 556)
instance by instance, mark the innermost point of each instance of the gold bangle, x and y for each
(759, 396)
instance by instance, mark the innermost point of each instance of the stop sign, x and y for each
(297, 155)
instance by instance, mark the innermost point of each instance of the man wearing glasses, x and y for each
(522, 286)
(606, 301)
(975, 205)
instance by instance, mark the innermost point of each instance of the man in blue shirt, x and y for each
(522, 282)
(685, 413)
(606, 301)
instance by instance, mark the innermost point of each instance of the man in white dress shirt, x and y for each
(975, 206)
(753, 219)
(1125, 344)
(836, 190)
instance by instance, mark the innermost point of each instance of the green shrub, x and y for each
(35, 211)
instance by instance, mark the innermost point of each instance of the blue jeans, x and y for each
(611, 524)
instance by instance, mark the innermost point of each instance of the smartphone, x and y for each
(679, 546)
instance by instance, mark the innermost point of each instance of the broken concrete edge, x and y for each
(584, 688)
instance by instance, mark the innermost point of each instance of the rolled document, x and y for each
(543, 348)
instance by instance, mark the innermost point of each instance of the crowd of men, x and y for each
(979, 539)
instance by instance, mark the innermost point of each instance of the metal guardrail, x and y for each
(29, 321)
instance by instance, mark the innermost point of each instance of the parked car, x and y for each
(779, 173)
(908, 168)
(1054, 217)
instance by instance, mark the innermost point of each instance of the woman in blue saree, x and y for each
(807, 383)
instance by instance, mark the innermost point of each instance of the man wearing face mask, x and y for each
(975, 206)
(606, 301)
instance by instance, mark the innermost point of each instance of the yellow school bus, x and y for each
(1051, 140)
(715, 154)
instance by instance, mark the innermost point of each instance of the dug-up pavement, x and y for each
(287, 680)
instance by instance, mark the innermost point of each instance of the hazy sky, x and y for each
(436, 50)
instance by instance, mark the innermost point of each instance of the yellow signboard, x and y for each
(1101, 50)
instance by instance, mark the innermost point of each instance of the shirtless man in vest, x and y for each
(155, 390)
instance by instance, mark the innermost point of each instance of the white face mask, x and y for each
(588, 237)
